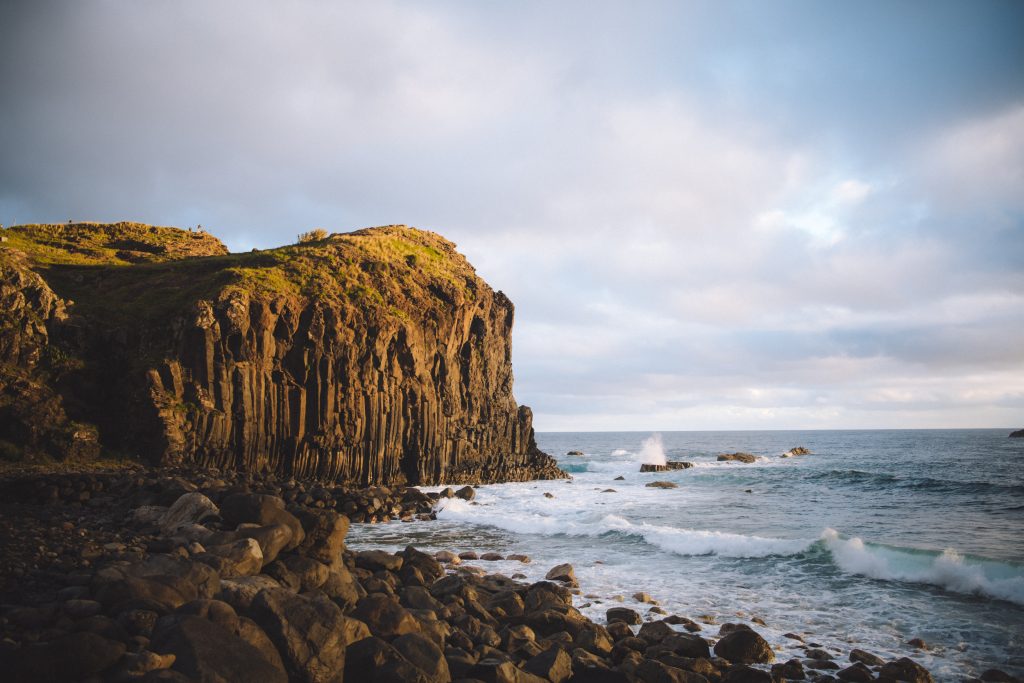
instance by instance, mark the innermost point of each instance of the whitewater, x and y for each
(874, 539)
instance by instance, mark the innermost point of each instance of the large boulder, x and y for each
(325, 534)
(310, 633)
(744, 646)
(552, 665)
(424, 655)
(564, 573)
(232, 560)
(261, 509)
(905, 669)
(385, 616)
(191, 508)
(623, 614)
(208, 652)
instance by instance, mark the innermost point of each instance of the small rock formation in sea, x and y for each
(792, 452)
(371, 357)
(575, 453)
(670, 465)
(662, 485)
(737, 457)
(1019, 434)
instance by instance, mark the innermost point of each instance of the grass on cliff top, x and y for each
(392, 269)
(109, 244)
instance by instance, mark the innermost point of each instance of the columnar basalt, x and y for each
(370, 357)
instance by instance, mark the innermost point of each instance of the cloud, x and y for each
(708, 216)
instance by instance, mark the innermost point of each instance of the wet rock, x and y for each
(918, 643)
(745, 674)
(792, 452)
(624, 614)
(737, 457)
(563, 573)
(656, 631)
(905, 669)
(466, 493)
(744, 647)
(661, 485)
(790, 670)
(865, 657)
(996, 675)
(372, 659)
(492, 557)
(447, 557)
(856, 673)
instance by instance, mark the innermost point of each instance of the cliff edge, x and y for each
(371, 357)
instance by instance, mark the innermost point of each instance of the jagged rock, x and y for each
(552, 665)
(792, 452)
(385, 616)
(424, 655)
(376, 560)
(668, 466)
(325, 532)
(563, 573)
(232, 560)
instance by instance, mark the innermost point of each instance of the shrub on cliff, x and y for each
(314, 235)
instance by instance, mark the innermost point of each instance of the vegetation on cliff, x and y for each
(372, 356)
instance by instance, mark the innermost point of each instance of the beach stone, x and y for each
(563, 572)
(80, 609)
(595, 640)
(468, 555)
(687, 645)
(863, 657)
(241, 558)
(240, 592)
(373, 659)
(644, 597)
(466, 493)
(661, 485)
(447, 557)
(208, 651)
(918, 643)
(996, 675)
(525, 559)
(790, 670)
(553, 664)
(191, 508)
(620, 478)
(656, 631)
(821, 664)
(623, 614)
(653, 671)
(548, 494)
(425, 564)
(136, 664)
(905, 669)
(492, 557)
(689, 624)
(744, 646)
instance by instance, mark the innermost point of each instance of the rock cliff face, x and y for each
(372, 357)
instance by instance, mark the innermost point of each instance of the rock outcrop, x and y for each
(373, 357)
(1019, 434)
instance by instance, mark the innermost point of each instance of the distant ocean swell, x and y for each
(948, 570)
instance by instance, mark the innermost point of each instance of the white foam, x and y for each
(620, 451)
(685, 542)
(948, 569)
(652, 451)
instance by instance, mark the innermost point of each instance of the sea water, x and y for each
(875, 538)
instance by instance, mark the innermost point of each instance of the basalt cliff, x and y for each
(371, 357)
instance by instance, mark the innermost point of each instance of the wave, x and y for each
(949, 569)
(685, 542)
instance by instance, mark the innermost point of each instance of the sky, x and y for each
(709, 215)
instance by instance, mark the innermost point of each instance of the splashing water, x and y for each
(652, 451)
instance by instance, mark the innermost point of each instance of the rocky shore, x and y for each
(185, 575)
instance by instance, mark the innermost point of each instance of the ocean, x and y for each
(873, 539)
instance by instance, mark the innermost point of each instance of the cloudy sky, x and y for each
(744, 215)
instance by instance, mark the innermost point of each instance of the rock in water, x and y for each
(792, 452)
(670, 465)
(744, 646)
(661, 485)
(1017, 434)
(737, 457)
(377, 356)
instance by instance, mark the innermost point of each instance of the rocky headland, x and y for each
(372, 357)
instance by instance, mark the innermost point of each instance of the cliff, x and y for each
(376, 356)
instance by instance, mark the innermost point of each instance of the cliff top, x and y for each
(130, 270)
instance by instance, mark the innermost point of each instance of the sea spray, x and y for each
(652, 451)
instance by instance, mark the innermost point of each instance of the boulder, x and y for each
(792, 452)
(1017, 434)
(385, 616)
(466, 493)
(865, 658)
(905, 669)
(261, 509)
(310, 633)
(564, 573)
(372, 659)
(272, 539)
(376, 560)
(191, 508)
(742, 673)
(325, 532)
(552, 665)
(653, 671)
(856, 673)
(623, 614)
(240, 592)
(232, 560)
(424, 655)
(744, 646)
(207, 651)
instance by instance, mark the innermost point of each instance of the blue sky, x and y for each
(709, 215)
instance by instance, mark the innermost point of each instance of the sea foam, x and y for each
(949, 569)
